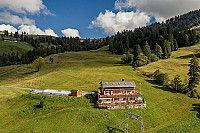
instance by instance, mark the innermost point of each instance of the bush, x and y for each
(153, 58)
(127, 58)
(178, 85)
(39, 62)
(161, 78)
(141, 60)
(40, 105)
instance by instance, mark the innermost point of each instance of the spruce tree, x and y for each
(177, 84)
(175, 44)
(194, 75)
(166, 49)
(172, 47)
(158, 50)
(186, 40)
(127, 44)
(147, 50)
(137, 50)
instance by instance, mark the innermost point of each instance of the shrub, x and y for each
(127, 58)
(141, 60)
(161, 78)
(178, 85)
(40, 105)
(39, 62)
(153, 58)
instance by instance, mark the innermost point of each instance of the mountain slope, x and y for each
(20, 47)
(165, 112)
(177, 64)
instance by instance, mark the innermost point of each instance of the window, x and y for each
(116, 99)
(128, 92)
(107, 92)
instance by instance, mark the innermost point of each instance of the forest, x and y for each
(146, 44)
(158, 40)
(47, 45)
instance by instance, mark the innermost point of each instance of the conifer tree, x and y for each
(137, 50)
(147, 50)
(186, 40)
(172, 47)
(175, 44)
(158, 50)
(177, 84)
(127, 43)
(166, 49)
(194, 75)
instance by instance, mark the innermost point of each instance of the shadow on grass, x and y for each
(122, 65)
(159, 86)
(188, 56)
(93, 98)
(114, 130)
(29, 73)
(196, 108)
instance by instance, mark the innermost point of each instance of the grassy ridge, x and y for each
(165, 112)
(176, 65)
(8, 47)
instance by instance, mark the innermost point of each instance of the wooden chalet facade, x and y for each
(119, 95)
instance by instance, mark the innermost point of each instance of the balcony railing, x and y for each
(119, 95)
(120, 103)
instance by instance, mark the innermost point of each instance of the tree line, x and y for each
(157, 40)
(47, 45)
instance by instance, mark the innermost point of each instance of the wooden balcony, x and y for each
(119, 95)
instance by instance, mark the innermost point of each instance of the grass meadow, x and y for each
(166, 112)
(8, 47)
(176, 65)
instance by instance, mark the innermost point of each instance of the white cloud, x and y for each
(50, 32)
(161, 9)
(33, 30)
(14, 19)
(70, 32)
(9, 28)
(25, 6)
(30, 29)
(114, 22)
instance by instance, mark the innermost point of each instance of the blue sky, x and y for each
(76, 14)
(74, 17)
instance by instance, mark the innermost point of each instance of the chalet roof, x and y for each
(122, 84)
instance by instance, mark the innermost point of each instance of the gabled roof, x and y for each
(122, 84)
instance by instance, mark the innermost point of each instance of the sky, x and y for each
(87, 18)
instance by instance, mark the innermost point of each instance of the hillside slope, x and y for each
(165, 112)
(8, 47)
(177, 64)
